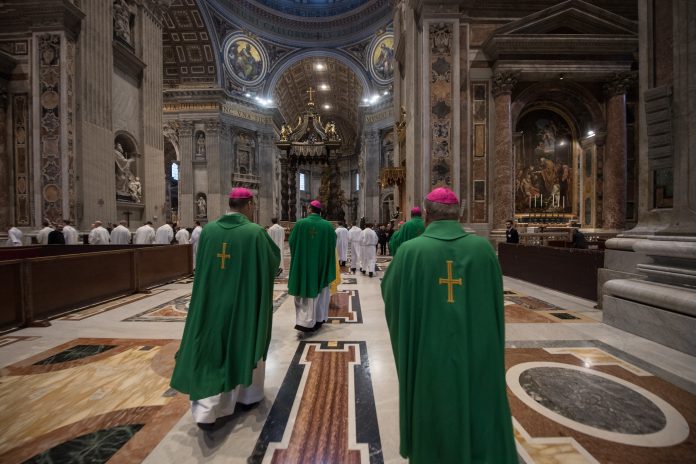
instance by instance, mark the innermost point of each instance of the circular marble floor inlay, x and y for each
(592, 400)
(597, 404)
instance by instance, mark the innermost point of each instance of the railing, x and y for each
(39, 283)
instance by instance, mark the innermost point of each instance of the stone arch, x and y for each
(570, 99)
(293, 58)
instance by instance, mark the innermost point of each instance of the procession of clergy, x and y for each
(443, 299)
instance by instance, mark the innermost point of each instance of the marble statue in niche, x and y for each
(128, 186)
(200, 145)
(122, 21)
(123, 171)
(135, 189)
(201, 206)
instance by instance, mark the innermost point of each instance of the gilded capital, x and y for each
(503, 82)
(619, 83)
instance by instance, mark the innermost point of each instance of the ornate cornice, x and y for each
(503, 82)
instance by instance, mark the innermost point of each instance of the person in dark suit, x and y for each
(511, 235)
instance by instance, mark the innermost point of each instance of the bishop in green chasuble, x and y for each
(228, 326)
(312, 268)
(443, 298)
(410, 229)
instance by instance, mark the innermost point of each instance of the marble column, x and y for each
(5, 220)
(504, 167)
(292, 183)
(217, 199)
(615, 157)
(185, 212)
(284, 216)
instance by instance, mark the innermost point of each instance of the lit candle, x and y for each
(542, 200)
(564, 201)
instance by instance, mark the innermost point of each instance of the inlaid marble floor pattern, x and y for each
(95, 387)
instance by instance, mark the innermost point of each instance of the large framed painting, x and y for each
(382, 58)
(543, 164)
(246, 60)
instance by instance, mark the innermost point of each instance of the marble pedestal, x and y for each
(658, 299)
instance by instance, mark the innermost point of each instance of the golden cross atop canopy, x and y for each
(450, 282)
(223, 256)
(310, 92)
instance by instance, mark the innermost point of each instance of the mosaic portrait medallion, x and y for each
(382, 58)
(245, 59)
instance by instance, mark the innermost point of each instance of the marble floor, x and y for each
(93, 387)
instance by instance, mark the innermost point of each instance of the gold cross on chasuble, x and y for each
(450, 282)
(312, 232)
(223, 256)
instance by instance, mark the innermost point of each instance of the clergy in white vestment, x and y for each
(120, 235)
(164, 234)
(42, 236)
(277, 233)
(342, 243)
(354, 239)
(182, 236)
(70, 233)
(368, 252)
(144, 235)
(195, 236)
(99, 235)
(14, 237)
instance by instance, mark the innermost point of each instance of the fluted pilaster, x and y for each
(216, 202)
(186, 172)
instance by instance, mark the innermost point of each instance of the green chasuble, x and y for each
(228, 327)
(410, 229)
(443, 297)
(313, 256)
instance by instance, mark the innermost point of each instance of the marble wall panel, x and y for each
(22, 161)
(442, 46)
(479, 141)
(50, 116)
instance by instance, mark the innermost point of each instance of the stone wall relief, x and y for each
(123, 22)
(128, 185)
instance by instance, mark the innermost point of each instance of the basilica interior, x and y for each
(561, 116)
